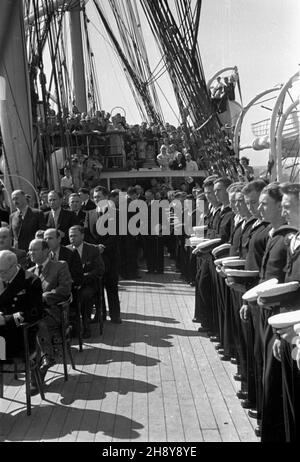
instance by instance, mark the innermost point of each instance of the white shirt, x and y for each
(55, 214)
(55, 255)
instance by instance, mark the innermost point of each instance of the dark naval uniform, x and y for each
(273, 266)
(22, 295)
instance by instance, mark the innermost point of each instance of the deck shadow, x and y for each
(93, 387)
(92, 421)
(150, 334)
(114, 356)
(144, 317)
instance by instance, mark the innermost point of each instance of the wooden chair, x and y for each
(31, 362)
(78, 316)
(99, 305)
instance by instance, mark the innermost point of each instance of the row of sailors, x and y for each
(261, 223)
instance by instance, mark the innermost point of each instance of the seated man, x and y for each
(60, 253)
(6, 244)
(20, 301)
(93, 270)
(57, 285)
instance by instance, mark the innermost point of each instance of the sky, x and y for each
(260, 37)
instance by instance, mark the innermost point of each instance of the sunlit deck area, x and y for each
(152, 378)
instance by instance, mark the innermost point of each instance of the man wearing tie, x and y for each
(57, 285)
(93, 270)
(75, 206)
(86, 203)
(108, 245)
(25, 221)
(60, 253)
(58, 217)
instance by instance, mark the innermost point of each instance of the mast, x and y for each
(18, 159)
(80, 92)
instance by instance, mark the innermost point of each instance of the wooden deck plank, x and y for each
(153, 378)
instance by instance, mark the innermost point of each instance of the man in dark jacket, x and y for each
(93, 269)
(58, 217)
(25, 221)
(20, 301)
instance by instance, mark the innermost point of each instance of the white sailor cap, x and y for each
(252, 294)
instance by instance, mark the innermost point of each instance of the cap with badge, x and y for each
(273, 294)
(282, 320)
(252, 294)
(208, 244)
(243, 277)
(235, 264)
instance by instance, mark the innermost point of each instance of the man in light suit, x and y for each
(58, 217)
(57, 285)
(93, 269)
(25, 221)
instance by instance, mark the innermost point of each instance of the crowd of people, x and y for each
(257, 228)
(50, 253)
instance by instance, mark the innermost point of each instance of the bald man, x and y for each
(20, 301)
(25, 221)
(6, 244)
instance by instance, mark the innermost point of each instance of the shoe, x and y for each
(218, 347)
(253, 413)
(238, 378)
(202, 329)
(196, 320)
(214, 339)
(224, 357)
(233, 361)
(246, 404)
(242, 395)
(257, 431)
(116, 321)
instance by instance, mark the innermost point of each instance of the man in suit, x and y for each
(75, 206)
(6, 244)
(60, 253)
(108, 245)
(86, 203)
(20, 301)
(93, 270)
(57, 285)
(25, 221)
(58, 217)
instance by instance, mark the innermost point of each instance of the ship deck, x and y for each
(153, 378)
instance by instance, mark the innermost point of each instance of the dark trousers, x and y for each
(240, 329)
(272, 425)
(154, 252)
(87, 296)
(110, 284)
(291, 393)
(204, 293)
